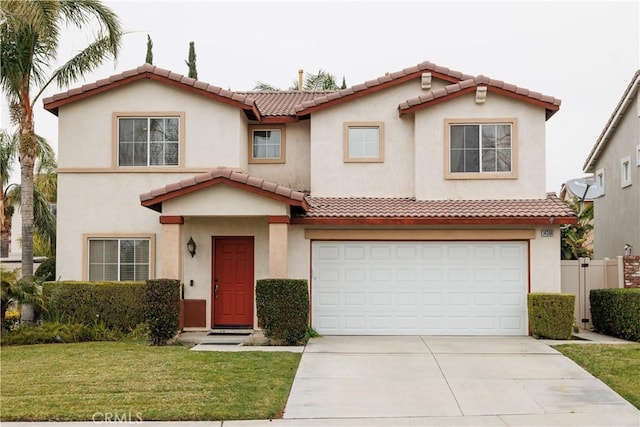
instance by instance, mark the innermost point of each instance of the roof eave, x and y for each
(498, 221)
(616, 116)
(52, 105)
(357, 94)
(550, 108)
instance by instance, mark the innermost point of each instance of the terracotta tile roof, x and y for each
(289, 104)
(384, 81)
(282, 103)
(550, 103)
(616, 116)
(154, 198)
(395, 208)
(243, 101)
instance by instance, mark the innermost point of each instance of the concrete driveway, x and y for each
(430, 380)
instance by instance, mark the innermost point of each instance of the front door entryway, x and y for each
(232, 282)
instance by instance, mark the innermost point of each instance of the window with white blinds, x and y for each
(119, 259)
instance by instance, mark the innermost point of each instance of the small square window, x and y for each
(625, 171)
(600, 178)
(266, 145)
(364, 142)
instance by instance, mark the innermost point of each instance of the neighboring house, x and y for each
(614, 161)
(414, 203)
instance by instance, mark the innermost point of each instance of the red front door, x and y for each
(232, 290)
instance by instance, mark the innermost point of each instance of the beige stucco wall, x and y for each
(102, 203)
(544, 257)
(294, 173)
(214, 132)
(223, 200)
(332, 177)
(430, 182)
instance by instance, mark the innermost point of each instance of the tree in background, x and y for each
(575, 237)
(30, 32)
(45, 192)
(320, 81)
(191, 63)
(149, 57)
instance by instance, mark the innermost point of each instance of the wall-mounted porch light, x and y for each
(191, 247)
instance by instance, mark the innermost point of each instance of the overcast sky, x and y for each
(584, 53)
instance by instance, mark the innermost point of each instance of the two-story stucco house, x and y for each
(614, 161)
(414, 203)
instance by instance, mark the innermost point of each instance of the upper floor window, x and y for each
(267, 144)
(149, 141)
(480, 150)
(363, 142)
(119, 259)
(600, 178)
(625, 171)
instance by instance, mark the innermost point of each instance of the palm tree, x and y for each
(575, 237)
(322, 81)
(30, 32)
(45, 192)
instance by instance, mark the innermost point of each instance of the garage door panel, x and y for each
(388, 288)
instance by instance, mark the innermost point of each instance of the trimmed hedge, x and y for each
(283, 309)
(117, 305)
(551, 315)
(616, 312)
(162, 309)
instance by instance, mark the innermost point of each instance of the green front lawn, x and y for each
(92, 381)
(617, 365)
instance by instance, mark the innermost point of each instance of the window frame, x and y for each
(638, 155)
(625, 165)
(283, 144)
(148, 115)
(600, 179)
(87, 237)
(346, 142)
(513, 174)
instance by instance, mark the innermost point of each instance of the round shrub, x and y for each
(162, 309)
(551, 315)
(283, 309)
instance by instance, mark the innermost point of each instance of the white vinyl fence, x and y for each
(580, 276)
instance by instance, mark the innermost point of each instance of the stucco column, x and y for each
(278, 246)
(171, 256)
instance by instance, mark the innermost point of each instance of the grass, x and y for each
(85, 381)
(617, 365)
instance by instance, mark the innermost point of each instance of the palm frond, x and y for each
(83, 63)
(81, 12)
(8, 152)
(265, 87)
(323, 80)
(44, 221)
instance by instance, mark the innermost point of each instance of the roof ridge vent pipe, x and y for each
(300, 78)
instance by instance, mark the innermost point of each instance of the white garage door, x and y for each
(409, 288)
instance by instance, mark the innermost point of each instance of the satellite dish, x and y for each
(585, 189)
